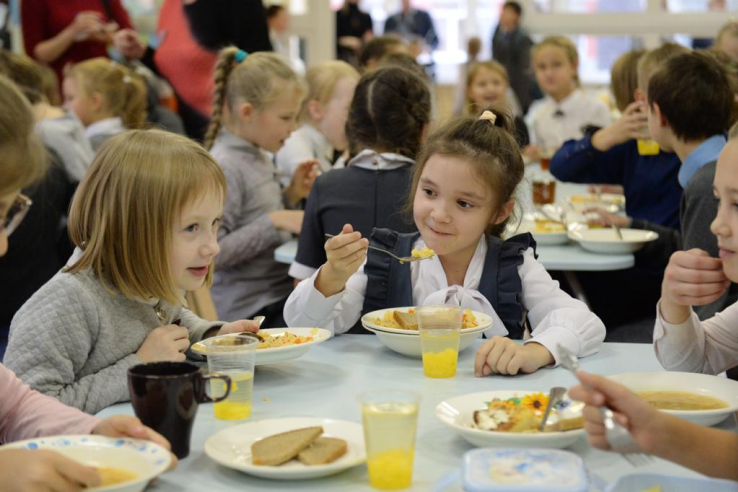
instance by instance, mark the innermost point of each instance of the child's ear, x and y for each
(315, 110)
(245, 111)
(96, 101)
(659, 115)
(507, 209)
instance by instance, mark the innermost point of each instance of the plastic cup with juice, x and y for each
(390, 421)
(440, 330)
(233, 356)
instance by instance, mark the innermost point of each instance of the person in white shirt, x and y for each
(323, 117)
(567, 110)
(694, 278)
(462, 198)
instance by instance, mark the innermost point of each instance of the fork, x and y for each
(617, 231)
(401, 259)
(617, 436)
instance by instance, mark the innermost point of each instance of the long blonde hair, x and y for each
(570, 50)
(24, 158)
(491, 65)
(123, 91)
(124, 211)
(624, 78)
(260, 79)
(321, 81)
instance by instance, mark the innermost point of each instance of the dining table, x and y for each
(326, 382)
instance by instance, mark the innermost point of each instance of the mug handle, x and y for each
(204, 397)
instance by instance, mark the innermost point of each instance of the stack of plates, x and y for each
(407, 342)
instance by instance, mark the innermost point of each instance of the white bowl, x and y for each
(231, 447)
(607, 241)
(144, 458)
(484, 322)
(704, 384)
(458, 414)
(542, 238)
(409, 344)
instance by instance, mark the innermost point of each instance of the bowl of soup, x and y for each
(700, 398)
(124, 464)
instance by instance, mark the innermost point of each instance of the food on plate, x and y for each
(681, 400)
(524, 414)
(407, 320)
(322, 451)
(423, 253)
(287, 338)
(112, 476)
(548, 226)
(304, 444)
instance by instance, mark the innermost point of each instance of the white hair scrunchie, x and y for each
(488, 115)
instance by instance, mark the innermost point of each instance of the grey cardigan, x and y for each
(75, 340)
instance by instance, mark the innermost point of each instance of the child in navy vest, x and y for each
(461, 200)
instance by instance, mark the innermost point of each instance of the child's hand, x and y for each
(345, 252)
(128, 426)
(128, 44)
(500, 355)
(239, 326)
(25, 470)
(632, 125)
(85, 23)
(692, 278)
(165, 343)
(287, 220)
(302, 181)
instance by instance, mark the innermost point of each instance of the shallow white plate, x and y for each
(458, 413)
(231, 447)
(704, 384)
(607, 241)
(280, 354)
(409, 345)
(483, 320)
(609, 201)
(542, 238)
(144, 458)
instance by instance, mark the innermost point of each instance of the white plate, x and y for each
(458, 413)
(231, 447)
(409, 345)
(484, 321)
(144, 458)
(280, 354)
(542, 238)
(704, 384)
(607, 241)
(609, 201)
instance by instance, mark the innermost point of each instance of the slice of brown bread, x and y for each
(280, 448)
(322, 451)
(408, 321)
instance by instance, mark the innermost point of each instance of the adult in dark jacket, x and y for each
(511, 47)
(354, 29)
(412, 24)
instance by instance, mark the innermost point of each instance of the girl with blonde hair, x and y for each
(323, 116)
(106, 96)
(257, 101)
(145, 222)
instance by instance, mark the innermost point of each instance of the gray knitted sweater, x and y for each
(75, 341)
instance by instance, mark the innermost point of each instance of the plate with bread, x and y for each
(289, 448)
(513, 419)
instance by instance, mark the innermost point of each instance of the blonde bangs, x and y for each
(124, 211)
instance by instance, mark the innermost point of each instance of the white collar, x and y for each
(386, 161)
(107, 126)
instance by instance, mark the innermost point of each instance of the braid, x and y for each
(223, 69)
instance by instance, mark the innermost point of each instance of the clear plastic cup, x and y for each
(232, 356)
(390, 419)
(440, 330)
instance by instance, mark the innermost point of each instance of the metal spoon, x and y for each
(556, 393)
(617, 231)
(401, 259)
(258, 319)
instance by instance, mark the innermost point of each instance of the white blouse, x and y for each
(108, 126)
(708, 347)
(555, 317)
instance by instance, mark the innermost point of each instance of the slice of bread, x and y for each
(322, 451)
(408, 321)
(280, 448)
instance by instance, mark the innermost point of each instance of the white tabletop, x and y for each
(326, 381)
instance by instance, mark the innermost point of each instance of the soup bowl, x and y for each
(686, 382)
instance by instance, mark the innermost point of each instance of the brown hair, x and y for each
(695, 95)
(25, 72)
(390, 109)
(624, 78)
(321, 81)
(403, 60)
(570, 50)
(490, 147)
(654, 58)
(730, 28)
(260, 79)
(493, 66)
(24, 158)
(378, 48)
(126, 207)
(123, 91)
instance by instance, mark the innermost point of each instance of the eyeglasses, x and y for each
(15, 215)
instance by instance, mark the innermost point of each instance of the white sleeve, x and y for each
(555, 317)
(601, 117)
(307, 307)
(708, 347)
(295, 151)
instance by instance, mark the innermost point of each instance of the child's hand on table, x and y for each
(239, 326)
(346, 253)
(501, 355)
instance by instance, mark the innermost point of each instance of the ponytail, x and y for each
(224, 67)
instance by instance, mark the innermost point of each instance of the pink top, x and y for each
(709, 346)
(26, 414)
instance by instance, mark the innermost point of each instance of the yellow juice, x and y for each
(440, 350)
(238, 404)
(648, 147)
(389, 432)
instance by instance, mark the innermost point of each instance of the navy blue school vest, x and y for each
(389, 283)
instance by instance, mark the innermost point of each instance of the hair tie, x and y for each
(240, 56)
(488, 115)
(127, 79)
